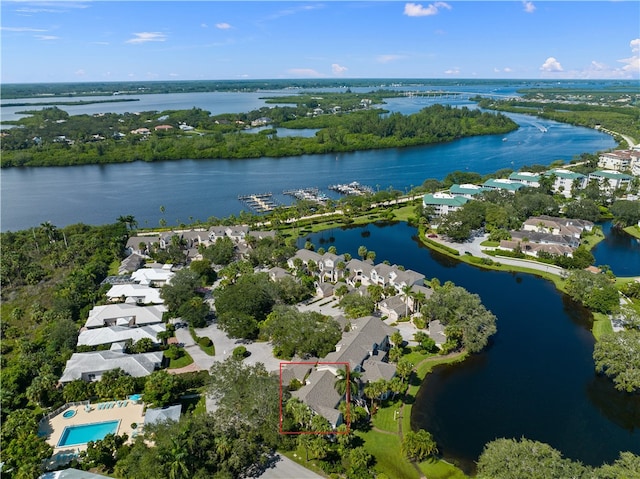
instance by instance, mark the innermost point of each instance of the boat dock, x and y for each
(309, 194)
(261, 203)
(353, 188)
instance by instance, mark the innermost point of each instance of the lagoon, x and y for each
(536, 379)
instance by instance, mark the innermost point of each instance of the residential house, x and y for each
(610, 180)
(123, 314)
(162, 414)
(141, 131)
(364, 345)
(534, 249)
(443, 203)
(131, 263)
(557, 226)
(92, 365)
(140, 244)
(381, 274)
(467, 190)
(527, 178)
(155, 277)
(565, 181)
(163, 128)
(134, 293)
(394, 307)
(119, 335)
(618, 160)
(503, 184)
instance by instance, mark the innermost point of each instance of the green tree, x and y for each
(161, 388)
(348, 380)
(417, 446)
(617, 355)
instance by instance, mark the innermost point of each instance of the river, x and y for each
(536, 380)
(199, 189)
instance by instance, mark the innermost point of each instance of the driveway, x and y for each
(224, 345)
(285, 468)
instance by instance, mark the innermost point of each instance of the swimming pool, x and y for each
(82, 434)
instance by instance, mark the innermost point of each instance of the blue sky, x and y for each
(72, 41)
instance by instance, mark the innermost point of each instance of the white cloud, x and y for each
(173, 75)
(338, 69)
(80, 72)
(529, 7)
(502, 70)
(388, 58)
(47, 38)
(417, 10)
(144, 37)
(223, 26)
(21, 29)
(635, 45)
(452, 71)
(304, 72)
(551, 65)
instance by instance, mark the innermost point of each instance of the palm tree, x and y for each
(347, 380)
(406, 293)
(178, 461)
(418, 445)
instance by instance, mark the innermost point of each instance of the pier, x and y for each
(353, 188)
(261, 202)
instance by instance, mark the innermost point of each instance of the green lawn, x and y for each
(386, 417)
(389, 460)
(633, 231)
(434, 469)
(601, 325)
(181, 362)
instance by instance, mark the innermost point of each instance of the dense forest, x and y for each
(52, 137)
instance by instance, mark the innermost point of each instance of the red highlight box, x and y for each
(347, 417)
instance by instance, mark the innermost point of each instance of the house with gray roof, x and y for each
(119, 334)
(92, 365)
(374, 370)
(123, 314)
(162, 414)
(319, 393)
(394, 307)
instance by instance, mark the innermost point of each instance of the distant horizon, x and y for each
(63, 41)
(336, 80)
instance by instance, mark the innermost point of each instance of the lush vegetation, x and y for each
(616, 110)
(52, 137)
(510, 458)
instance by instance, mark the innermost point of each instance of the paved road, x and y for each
(260, 352)
(285, 468)
(473, 247)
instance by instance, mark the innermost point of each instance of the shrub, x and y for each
(240, 352)
(205, 342)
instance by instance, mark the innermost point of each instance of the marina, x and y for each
(261, 202)
(353, 188)
(308, 194)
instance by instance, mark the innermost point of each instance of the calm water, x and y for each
(619, 250)
(199, 189)
(536, 380)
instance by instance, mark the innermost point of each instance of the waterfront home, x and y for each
(557, 226)
(503, 184)
(364, 349)
(610, 180)
(141, 245)
(92, 365)
(619, 160)
(467, 190)
(123, 314)
(565, 181)
(382, 274)
(534, 249)
(443, 203)
(527, 178)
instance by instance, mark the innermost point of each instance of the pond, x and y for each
(535, 380)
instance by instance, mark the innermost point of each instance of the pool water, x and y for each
(82, 434)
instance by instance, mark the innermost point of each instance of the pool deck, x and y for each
(129, 412)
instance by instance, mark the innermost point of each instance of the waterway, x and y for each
(619, 250)
(536, 380)
(200, 189)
